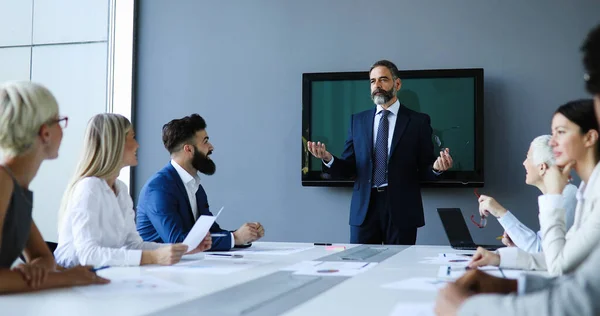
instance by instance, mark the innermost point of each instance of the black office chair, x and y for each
(51, 245)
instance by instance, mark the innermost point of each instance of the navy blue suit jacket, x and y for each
(410, 160)
(164, 213)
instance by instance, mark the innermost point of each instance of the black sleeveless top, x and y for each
(17, 224)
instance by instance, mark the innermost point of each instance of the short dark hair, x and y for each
(581, 112)
(591, 60)
(181, 131)
(389, 65)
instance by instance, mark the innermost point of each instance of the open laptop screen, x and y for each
(455, 226)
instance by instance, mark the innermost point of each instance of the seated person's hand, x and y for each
(260, 229)
(34, 274)
(488, 205)
(507, 241)
(449, 299)
(169, 254)
(204, 245)
(81, 275)
(247, 233)
(478, 282)
(484, 257)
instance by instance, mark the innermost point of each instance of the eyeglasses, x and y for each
(63, 121)
(483, 220)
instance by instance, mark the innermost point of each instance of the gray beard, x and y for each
(380, 99)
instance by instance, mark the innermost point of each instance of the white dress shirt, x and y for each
(563, 251)
(192, 183)
(525, 238)
(99, 227)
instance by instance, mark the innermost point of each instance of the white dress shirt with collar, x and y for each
(392, 116)
(192, 183)
(99, 227)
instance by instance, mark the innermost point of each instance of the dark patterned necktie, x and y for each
(381, 150)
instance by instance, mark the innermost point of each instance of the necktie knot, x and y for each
(384, 113)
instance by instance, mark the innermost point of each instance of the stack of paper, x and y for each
(448, 259)
(267, 250)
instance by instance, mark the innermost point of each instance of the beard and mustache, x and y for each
(202, 163)
(384, 97)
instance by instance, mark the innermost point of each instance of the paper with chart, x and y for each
(199, 230)
(453, 273)
(258, 249)
(134, 285)
(417, 284)
(219, 266)
(448, 259)
(413, 309)
(335, 268)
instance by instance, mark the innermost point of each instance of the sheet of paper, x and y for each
(413, 309)
(135, 285)
(453, 261)
(267, 250)
(199, 230)
(302, 265)
(417, 284)
(453, 273)
(337, 268)
(219, 266)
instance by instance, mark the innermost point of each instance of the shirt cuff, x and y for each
(549, 202)
(507, 220)
(508, 257)
(437, 173)
(232, 241)
(328, 164)
(133, 257)
(521, 284)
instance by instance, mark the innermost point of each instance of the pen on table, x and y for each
(502, 272)
(448, 271)
(226, 255)
(322, 244)
(499, 237)
(99, 268)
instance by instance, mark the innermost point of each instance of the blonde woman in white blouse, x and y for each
(575, 146)
(96, 220)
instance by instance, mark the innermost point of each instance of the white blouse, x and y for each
(99, 227)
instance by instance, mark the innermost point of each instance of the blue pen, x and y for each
(99, 268)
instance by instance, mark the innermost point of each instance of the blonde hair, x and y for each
(541, 151)
(24, 107)
(102, 156)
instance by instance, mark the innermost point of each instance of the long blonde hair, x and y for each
(102, 156)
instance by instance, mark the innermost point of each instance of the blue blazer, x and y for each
(410, 160)
(164, 213)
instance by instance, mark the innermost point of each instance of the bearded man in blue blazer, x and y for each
(173, 198)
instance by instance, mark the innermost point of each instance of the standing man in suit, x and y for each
(575, 294)
(173, 198)
(389, 151)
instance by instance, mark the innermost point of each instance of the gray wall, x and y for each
(239, 64)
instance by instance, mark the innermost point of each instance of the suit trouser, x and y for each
(378, 227)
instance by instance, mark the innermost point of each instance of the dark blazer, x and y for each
(410, 160)
(164, 213)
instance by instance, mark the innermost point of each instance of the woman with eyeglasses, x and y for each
(575, 146)
(539, 158)
(97, 220)
(30, 132)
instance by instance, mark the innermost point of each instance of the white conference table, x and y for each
(359, 295)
